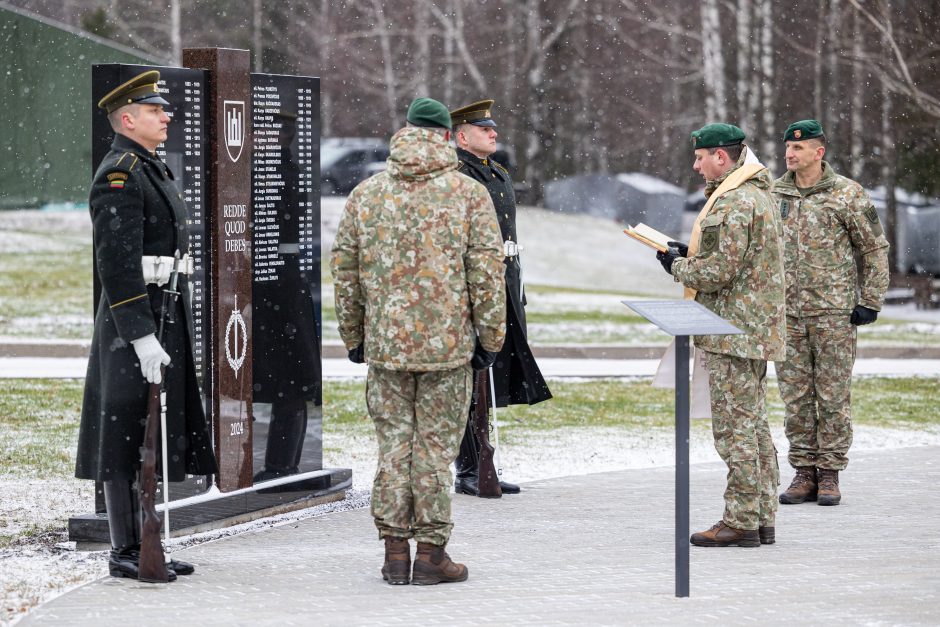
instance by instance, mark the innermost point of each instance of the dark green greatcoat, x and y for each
(136, 209)
(516, 377)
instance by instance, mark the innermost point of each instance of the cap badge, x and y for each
(797, 133)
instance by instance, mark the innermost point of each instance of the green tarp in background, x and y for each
(45, 108)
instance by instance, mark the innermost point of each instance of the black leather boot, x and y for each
(466, 464)
(120, 499)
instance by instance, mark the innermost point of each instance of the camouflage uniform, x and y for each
(738, 272)
(417, 267)
(824, 229)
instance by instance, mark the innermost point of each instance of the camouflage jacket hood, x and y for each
(419, 154)
(418, 261)
(824, 229)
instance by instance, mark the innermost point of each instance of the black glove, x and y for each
(482, 358)
(358, 355)
(667, 258)
(682, 248)
(863, 315)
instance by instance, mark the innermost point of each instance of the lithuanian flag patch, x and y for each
(117, 180)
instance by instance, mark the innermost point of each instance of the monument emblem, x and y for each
(234, 128)
(235, 349)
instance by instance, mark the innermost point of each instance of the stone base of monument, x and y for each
(213, 509)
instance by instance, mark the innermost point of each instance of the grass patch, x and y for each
(39, 426)
(904, 403)
(47, 294)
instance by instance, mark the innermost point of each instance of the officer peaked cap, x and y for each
(477, 114)
(142, 89)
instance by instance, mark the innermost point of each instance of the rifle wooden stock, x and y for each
(488, 482)
(152, 566)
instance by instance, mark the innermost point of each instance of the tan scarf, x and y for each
(747, 171)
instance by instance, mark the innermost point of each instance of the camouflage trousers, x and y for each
(742, 439)
(815, 385)
(419, 418)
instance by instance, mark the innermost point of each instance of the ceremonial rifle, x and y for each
(152, 565)
(487, 481)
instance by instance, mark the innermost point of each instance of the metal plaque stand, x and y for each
(682, 318)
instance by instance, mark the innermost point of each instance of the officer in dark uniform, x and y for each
(139, 222)
(516, 377)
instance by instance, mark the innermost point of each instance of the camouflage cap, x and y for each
(716, 136)
(477, 114)
(428, 112)
(142, 89)
(804, 129)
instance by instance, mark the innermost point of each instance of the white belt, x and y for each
(155, 266)
(511, 248)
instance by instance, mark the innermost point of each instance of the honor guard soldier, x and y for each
(734, 262)
(516, 377)
(828, 222)
(139, 224)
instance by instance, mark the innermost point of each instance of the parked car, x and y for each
(346, 161)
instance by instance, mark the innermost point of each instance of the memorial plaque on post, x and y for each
(228, 204)
(682, 318)
(287, 394)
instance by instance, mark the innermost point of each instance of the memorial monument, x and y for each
(245, 152)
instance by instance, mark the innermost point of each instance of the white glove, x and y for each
(156, 269)
(151, 356)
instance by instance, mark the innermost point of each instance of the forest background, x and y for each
(590, 86)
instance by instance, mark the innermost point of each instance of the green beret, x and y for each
(804, 129)
(142, 89)
(716, 136)
(428, 112)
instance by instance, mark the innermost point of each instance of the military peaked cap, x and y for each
(717, 136)
(477, 114)
(804, 129)
(142, 89)
(428, 112)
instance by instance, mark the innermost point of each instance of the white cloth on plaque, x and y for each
(699, 392)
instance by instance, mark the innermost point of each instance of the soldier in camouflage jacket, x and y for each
(736, 266)
(418, 273)
(828, 221)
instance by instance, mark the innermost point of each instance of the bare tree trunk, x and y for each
(830, 120)
(889, 173)
(857, 163)
(388, 70)
(422, 39)
(714, 62)
(176, 40)
(768, 95)
(257, 35)
(748, 81)
(818, 65)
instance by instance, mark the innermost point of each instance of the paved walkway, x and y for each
(593, 549)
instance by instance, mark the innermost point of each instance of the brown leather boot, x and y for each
(802, 488)
(828, 487)
(766, 535)
(723, 535)
(433, 565)
(397, 567)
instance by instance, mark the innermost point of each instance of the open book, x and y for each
(649, 236)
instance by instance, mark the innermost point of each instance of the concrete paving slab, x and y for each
(592, 549)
